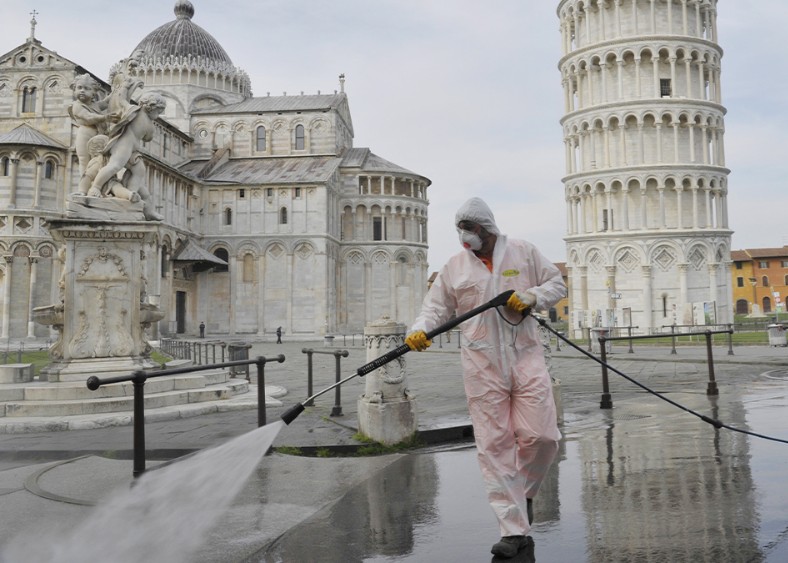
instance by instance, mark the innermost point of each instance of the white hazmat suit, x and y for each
(508, 388)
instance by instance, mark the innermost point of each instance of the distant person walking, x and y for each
(279, 335)
(202, 329)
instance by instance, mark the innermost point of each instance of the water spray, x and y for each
(292, 413)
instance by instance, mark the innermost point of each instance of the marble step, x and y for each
(73, 390)
(125, 403)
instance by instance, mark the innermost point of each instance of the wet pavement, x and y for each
(643, 481)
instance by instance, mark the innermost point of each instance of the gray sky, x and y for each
(465, 92)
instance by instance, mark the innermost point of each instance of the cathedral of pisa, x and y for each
(269, 216)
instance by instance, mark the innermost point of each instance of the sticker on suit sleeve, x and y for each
(510, 273)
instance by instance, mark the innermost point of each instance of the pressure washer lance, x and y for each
(292, 413)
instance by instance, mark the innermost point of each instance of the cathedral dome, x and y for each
(182, 38)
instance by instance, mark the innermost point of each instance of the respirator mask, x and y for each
(469, 240)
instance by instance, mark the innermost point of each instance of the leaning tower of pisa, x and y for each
(648, 240)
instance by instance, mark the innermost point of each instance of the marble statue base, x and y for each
(388, 423)
(81, 370)
(104, 208)
(104, 310)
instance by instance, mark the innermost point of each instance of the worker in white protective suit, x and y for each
(509, 391)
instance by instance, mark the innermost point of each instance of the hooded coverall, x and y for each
(508, 388)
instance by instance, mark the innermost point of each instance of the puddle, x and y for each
(673, 489)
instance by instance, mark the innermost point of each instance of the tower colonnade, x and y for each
(648, 239)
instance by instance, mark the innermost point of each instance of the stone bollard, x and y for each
(386, 411)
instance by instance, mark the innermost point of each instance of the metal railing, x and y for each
(19, 351)
(337, 409)
(199, 352)
(352, 338)
(138, 379)
(711, 389)
(673, 334)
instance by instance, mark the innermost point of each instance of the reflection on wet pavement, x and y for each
(641, 482)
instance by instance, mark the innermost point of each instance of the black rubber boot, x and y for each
(509, 546)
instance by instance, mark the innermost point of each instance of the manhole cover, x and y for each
(777, 374)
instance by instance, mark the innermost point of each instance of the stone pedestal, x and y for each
(104, 309)
(386, 411)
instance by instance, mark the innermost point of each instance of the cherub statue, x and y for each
(134, 127)
(98, 160)
(89, 113)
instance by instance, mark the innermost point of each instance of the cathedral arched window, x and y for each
(165, 261)
(299, 137)
(49, 170)
(228, 216)
(283, 216)
(5, 166)
(28, 99)
(260, 143)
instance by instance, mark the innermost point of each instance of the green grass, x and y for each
(368, 448)
(289, 450)
(371, 447)
(159, 358)
(40, 358)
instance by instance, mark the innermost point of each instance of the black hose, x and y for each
(292, 413)
(714, 422)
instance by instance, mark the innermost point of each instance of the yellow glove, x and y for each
(521, 301)
(418, 341)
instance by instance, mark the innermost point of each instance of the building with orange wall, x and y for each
(759, 280)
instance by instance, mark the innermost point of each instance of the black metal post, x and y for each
(223, 345)
(138, 379)
(260, 391)
(337, 410)
(607, 401)
(629, 334)
(673, 339)
(557, 344)
(308, 376)
(139, 423)
(711, 389)
(730, 339)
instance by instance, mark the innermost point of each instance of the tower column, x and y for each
(625, 207)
